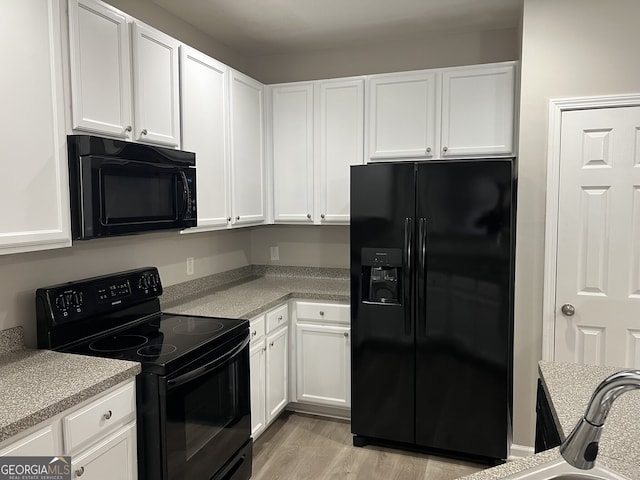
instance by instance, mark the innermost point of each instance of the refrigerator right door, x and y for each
(465, 236)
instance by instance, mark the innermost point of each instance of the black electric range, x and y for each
(193, 404)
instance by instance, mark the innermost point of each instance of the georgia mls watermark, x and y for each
(35, 468)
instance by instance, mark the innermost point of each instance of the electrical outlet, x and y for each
(275, 253)
(189, 265)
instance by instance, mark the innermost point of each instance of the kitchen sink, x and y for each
(558, 469)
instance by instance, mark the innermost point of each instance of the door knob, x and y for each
(568, 309)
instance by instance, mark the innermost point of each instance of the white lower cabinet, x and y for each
(258, 385)
(113, 457)
(99, 435)
(277, 368)
(323, 364)
(43, 441)
(268, 366)
(323, 353)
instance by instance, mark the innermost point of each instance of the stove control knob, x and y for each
(61, 303)
(143, 283)
(77, 299)
(153, 280)
(68, 299)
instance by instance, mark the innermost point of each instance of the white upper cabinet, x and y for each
(339, 144)
(450, 112)
(292, 127)
(317, 134)
(102, 80)
(204, 95)
(100, 69)
(402, 115)
(477, 111)
(35, 194)
(247, 164)
(156, 77)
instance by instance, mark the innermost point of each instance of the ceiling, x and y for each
(269, 27)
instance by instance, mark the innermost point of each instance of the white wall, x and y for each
(570, 48)
(438, 50)
(158, 17)
(21, 274)
(313, 246)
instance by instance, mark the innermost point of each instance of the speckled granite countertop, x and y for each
(247, 292)
(569, 387)
(38, 384)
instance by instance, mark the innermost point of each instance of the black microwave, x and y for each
(121, 188)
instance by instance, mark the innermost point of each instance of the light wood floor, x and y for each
(301, 447)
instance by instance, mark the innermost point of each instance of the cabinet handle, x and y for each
(346, 334)
(238, 217)
(228, 219)
(321, 313)
(144, 131)
(128, 129)
(280, 318)
(444, 149)
(428, 149)
(108, 415)
(264, 349)
(271, 344)
(308, 215)
(80, 472)
(322, 216)
(254, 333)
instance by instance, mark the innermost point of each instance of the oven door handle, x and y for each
(212, 365)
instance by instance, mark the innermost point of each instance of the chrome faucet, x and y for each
(580, 448)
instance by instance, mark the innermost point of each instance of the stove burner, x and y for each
(118, 343)
(197, 326)
(157, 350)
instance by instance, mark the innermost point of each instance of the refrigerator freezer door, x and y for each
(463, 321)
(382, 340)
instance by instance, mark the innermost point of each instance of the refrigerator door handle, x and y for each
(406, 269)
(421, 294)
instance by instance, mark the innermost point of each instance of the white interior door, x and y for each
(598, 259)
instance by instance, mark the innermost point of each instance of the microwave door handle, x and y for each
(212, 365)
(185, 195)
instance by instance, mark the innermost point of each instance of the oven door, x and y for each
(125, 196)
(208, 412)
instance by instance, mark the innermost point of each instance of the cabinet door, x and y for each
(203, 88)
(155, 75)
(100, 69)
(114, 457)
(40, 443)
(277, 372)
(247, 164)
(35, 193)
(257, 373)
(477, 111)
(340, 142)
(402, 115)
(323, 365)
(292, 123)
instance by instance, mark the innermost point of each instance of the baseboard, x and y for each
(520, 451)
(323, 411)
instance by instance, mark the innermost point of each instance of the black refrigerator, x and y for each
(432, 262)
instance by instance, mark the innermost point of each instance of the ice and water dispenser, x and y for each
(381, 275)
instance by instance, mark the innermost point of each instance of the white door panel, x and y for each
(598, 265)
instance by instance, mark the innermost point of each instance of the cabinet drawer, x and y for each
(323, 312)
(277, 318)
(99, 418)
(256, 328)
